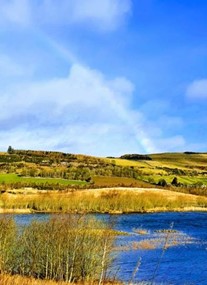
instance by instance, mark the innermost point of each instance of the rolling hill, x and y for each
(186, 172)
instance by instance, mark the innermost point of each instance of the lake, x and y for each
(163, 248)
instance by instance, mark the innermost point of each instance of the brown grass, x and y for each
(117, 200)
(162, 240)
(141, 231)
(106, 181)
(143, 245)
(19, 280)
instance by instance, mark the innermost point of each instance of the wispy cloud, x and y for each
(9, 68)
(108, 14)
(104, 15)
(82, 112)
(15, 12)
(85, 108)
(197, 89)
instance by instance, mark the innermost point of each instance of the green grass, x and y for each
(189, 180)
(171, 160)
(161, 161)
(14, 178)
(181, 159)
(188, 168)
(163, 165)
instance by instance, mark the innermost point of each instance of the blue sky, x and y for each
(103, 77)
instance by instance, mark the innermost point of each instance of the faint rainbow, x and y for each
(142, 139)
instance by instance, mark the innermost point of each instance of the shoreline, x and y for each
(150, 211)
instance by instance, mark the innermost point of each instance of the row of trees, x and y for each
(78, 172)
(197, 188)
(65, 173)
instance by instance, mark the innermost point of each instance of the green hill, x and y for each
(185, 172)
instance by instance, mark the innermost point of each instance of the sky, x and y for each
(105, 77)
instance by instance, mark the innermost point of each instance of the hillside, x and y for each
(186, 172)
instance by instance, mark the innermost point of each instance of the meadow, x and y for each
(24, 171)
(184, 180)
(11, 178)
(103, 201)
(50, 170)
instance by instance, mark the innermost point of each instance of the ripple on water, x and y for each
(183, 260)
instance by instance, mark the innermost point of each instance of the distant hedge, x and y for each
(136, 157)
(190, 152)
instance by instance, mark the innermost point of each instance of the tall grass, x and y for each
(65, 248)
(20, 280)
(111, 201)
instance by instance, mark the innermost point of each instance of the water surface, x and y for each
(181, 263)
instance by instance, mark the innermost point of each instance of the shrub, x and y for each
(174, 181)
(162, 182)
(67, 248)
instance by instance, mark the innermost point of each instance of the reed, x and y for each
(111, 201)
(21, 280)
(69, 248)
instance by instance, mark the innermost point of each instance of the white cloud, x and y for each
(82, 86)
(84, 112)
(9, 68)
(197, 89)
(15, 11)
(102, 15)
(106, 13)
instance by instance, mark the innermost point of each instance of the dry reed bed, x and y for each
(19, 280)
(111, 201)
(162, 239)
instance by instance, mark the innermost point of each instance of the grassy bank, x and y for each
(20, 280)
(104, 201)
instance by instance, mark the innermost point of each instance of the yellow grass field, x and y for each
(108, 200)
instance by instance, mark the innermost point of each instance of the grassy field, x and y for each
(170, 160)
(187, 180)
(104, 201)
(190, 169)
(33, 169)
(106, 181)
(14, 178)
